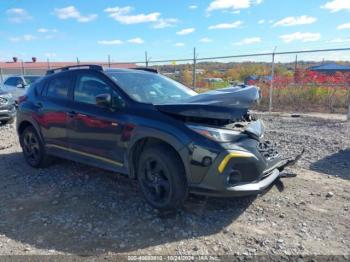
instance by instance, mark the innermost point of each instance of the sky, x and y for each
(63, 30)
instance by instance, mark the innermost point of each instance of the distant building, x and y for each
(200, 71)
(46, 65)
(251, 78)
(39, 68)
(254, 78)
(213, 80)
(329, 68)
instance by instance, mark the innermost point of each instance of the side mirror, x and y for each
(103, 100)
(21, 85)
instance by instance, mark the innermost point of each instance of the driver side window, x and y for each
(13, 81)
(88, 87)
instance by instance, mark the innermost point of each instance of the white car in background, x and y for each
(17, 84)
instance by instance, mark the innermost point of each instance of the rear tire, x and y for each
(8, 122)
(33, 149)
(162, 178)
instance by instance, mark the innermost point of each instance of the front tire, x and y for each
(161, 176)
(33, 149)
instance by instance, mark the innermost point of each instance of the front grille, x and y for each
(3, 100)
(268, 149)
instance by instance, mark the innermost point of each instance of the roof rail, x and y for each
(146, 69)
(59, 69)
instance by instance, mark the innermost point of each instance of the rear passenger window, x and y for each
(58, 88)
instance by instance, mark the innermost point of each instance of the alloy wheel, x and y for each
(155, 181)
(31, 147)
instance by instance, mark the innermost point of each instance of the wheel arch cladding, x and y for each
(24, 124)
(140, 144)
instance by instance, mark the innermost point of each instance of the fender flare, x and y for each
(179, 143)
(32, 123)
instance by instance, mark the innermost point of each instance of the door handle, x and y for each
(39, 105)
(71, 113)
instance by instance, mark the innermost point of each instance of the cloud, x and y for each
(45, 30)
(193, 6)
(205, 40)
(136, 40)
(340, 40)
(337, 5)
(166, 22)
(70, 12)
(26, 37)
(261, 21)
(122, 15)
(186, 31)
(226, 25)
(110, 42)
(303, 37)
(231, 4)
(296, 20)
(249, 41)
(50, 55)
(17, 15)
(179, 44)
(344, 26)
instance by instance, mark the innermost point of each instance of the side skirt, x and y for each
(86, 158)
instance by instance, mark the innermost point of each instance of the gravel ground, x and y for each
(70, 208)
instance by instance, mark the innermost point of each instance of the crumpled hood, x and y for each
(226, 103)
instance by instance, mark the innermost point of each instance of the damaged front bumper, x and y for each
(268, 178)
(229, 182)
(7, 113)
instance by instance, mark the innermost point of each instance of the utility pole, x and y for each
(109, 61)
(194, 69)
(48, 64)
(78, 62)
(22, 66)
(272, 79)
(295, 69)
(146, 59)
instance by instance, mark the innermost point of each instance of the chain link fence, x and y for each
(294, 81)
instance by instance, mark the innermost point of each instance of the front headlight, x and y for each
(216, 134)
(8, 96)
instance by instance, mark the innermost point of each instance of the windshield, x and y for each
(30, 79)
(151, 88)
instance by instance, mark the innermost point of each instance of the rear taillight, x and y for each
(22, 99)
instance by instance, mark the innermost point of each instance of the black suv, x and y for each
(140, 123)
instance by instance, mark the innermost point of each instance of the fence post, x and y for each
(1, 76)
(146, 59)
(22, 66)
(272, 80)
(194, 69)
